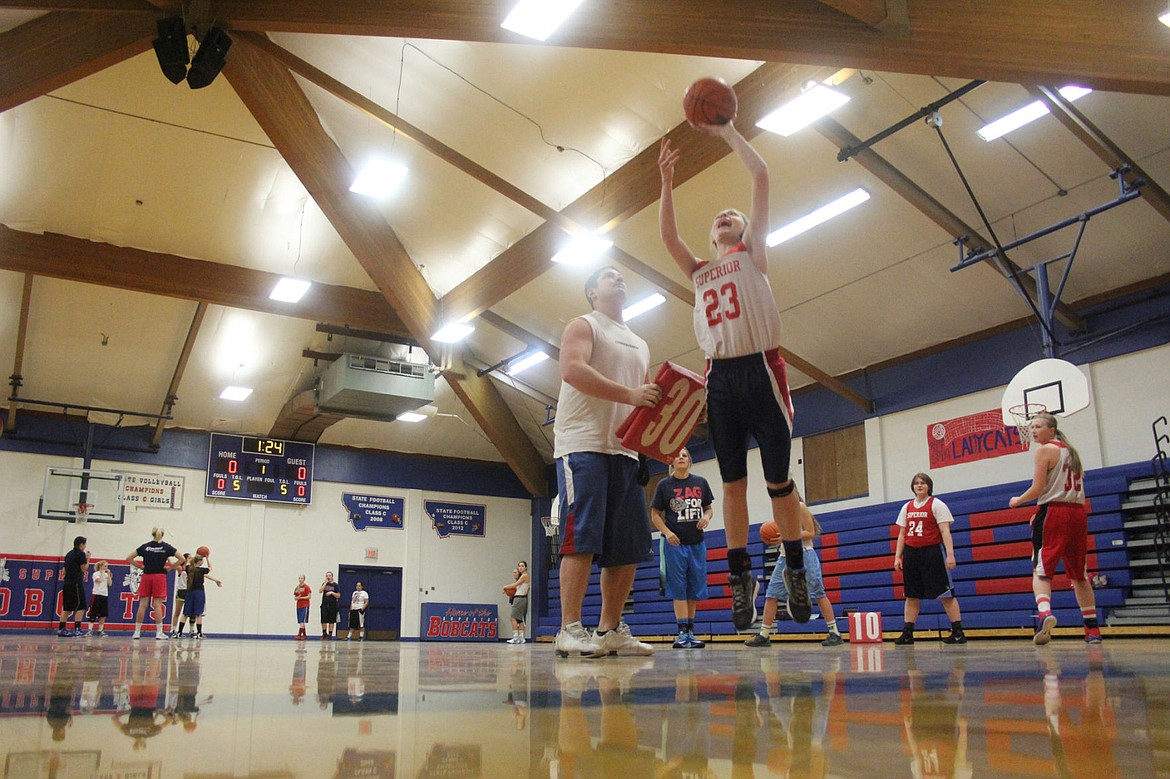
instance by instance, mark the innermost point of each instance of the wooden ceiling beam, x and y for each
(18, 360)
(168, 403)
(282, 110)
(1096, 141)
(952, 223)
(1113, 46)
(887, 16)
(268, 90)
(75, 259)
(57, 49)
(520, 334)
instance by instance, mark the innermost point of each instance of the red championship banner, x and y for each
(661, 431)
(973, 437)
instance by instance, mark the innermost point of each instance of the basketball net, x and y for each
(82, 513)
(1023, 414)
(550, 529)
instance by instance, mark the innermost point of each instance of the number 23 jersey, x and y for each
(735, 312)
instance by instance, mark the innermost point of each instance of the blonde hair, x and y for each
(157, 533)
(1073, 456)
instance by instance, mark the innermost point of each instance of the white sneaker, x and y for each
(620, 641)
(573, 640)
(160, 637)
(136, 635)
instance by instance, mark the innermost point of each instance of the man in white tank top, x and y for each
(604, 372)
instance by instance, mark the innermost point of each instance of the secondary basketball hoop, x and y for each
(1023, 414)
(81, 512)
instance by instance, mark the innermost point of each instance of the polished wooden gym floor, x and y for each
(112, 707)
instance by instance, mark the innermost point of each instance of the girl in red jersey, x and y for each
(302, 593)
(924, 536)
(1060, 528)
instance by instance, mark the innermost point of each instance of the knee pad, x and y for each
(780, 492)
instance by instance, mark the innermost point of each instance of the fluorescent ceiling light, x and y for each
(812, 104)
(582, 249)
(526, 362)
(538, 18)
(642, 306)
(235, 393)
(410, 416)
(379, 178)
(1029, 113)
(289, 290)
(1164, 18)
(822, 214)
(452, 333)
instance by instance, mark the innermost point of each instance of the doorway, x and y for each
(384, 614)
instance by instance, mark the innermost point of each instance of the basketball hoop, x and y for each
(550, 529)
(1023, 414)
(82, 513)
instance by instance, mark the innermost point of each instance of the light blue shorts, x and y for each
(812, 568)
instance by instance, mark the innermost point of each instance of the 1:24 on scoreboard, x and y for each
(253, 468)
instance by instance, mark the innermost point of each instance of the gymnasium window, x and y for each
(835, 466)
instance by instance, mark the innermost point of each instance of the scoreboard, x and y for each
(251, 468)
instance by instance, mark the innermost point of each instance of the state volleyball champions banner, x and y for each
(969, 438)
(30, 591)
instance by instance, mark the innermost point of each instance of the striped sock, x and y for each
(1044, 605)
(832, 626)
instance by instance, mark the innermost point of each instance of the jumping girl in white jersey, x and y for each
(737, 325)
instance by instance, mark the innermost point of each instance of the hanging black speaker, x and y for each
(171, 48)
(209, 59)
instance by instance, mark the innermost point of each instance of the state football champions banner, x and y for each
(459, 622)
(456, 519)
(374, 511)
(30, 591)
(969, 438)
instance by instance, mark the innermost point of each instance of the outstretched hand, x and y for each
(667, 157)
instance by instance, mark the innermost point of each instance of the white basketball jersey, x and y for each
(588, 424)
(735, 312)
(1062, 484)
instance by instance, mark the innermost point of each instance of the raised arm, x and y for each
(683, 257)
(758, 219)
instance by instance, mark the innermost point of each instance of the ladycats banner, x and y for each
(969, 438)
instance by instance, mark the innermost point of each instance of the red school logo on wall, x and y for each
(30, 591)
(973, 437)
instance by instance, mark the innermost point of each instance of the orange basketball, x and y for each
(509, 590)
(770, 533)
(203, 551)
(709, 101)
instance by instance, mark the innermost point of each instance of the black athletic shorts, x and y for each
(924, 572)
(72, 597)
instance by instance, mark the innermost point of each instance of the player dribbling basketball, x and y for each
(737, 325)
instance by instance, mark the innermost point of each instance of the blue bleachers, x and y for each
(992, 578)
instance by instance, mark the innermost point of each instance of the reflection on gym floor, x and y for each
(110, 707)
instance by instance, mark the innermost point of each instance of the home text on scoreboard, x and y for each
(254, 468)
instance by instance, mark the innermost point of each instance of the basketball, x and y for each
(510, 590)
(770, 533)
(709, 101)
(203, 551)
